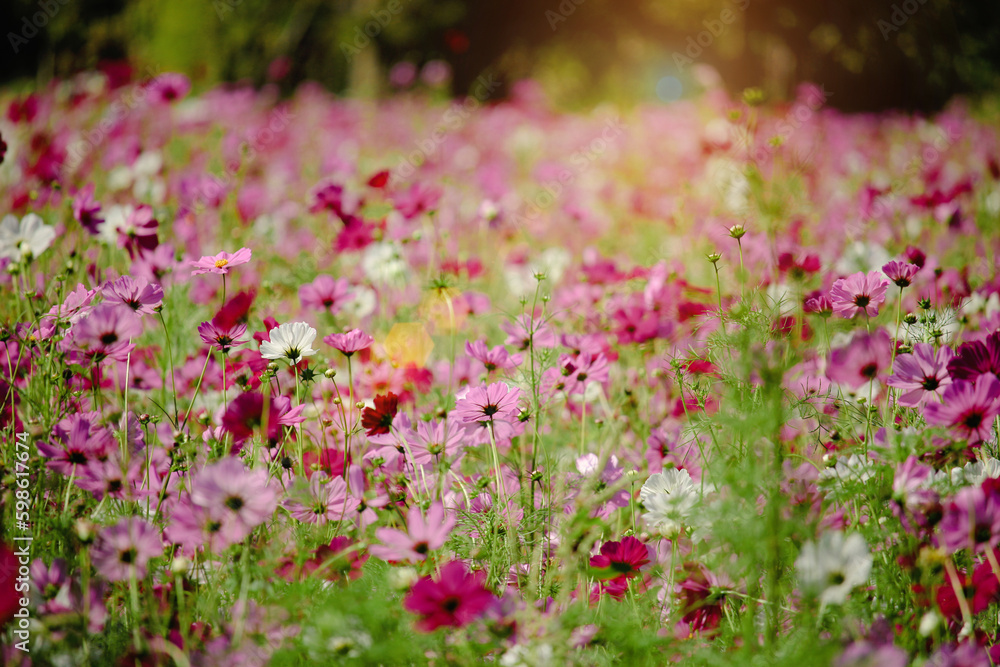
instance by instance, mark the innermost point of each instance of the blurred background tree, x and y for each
(872, 54)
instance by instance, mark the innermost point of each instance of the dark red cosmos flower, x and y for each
(976, 358)
(700, 602)
(340, 560)
(236, 311)
(9, 597)
(455, 599)
(378, 420)
(981, 592)
(379, 179)
(621, 559)
(330, 461)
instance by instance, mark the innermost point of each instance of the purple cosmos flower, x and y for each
(325, 293)
(220, 263)
(922, 374)
(495, 402)
(901, 273)
(422, 535)
(858, 293)
(967, 408)
(349, 342)
(137, 294)
(125, 549)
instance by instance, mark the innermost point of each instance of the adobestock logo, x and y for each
(37, 21)
(714, 28)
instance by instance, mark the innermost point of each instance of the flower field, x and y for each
(338, 382)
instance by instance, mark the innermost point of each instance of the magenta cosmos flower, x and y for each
(220, 263)
(421, 537)
(495, 402)
(922, 374)
(976, 358)
(621, 559)
(859, 293)
(967, 408)
(455, 599)
(349, 342)
(124, 549)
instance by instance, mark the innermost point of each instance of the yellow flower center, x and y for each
(219, 263)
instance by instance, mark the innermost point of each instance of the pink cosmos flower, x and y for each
(900, 273)
(421, 537)
(77, 441)
(455, 599)
(434, 440)
(493, 359)
(495, 402)
(220, 263)
(328, 500)
(325, 293)
(139, 235)
(223, 337)
(229, 485)
(579, 371)
(967, 408)
(863, 360)
(859, 293)
(107, 331)
(86, 210)
(349, 342)
(819, 304)
(922, 374)
(138, 294)
(971, 520)
(524, 331)
(125, 549)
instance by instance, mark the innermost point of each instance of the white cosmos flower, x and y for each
(291, 341)
(834, 566)
(977, 472)
(24, 239)
(383, 263)
(668, 497)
